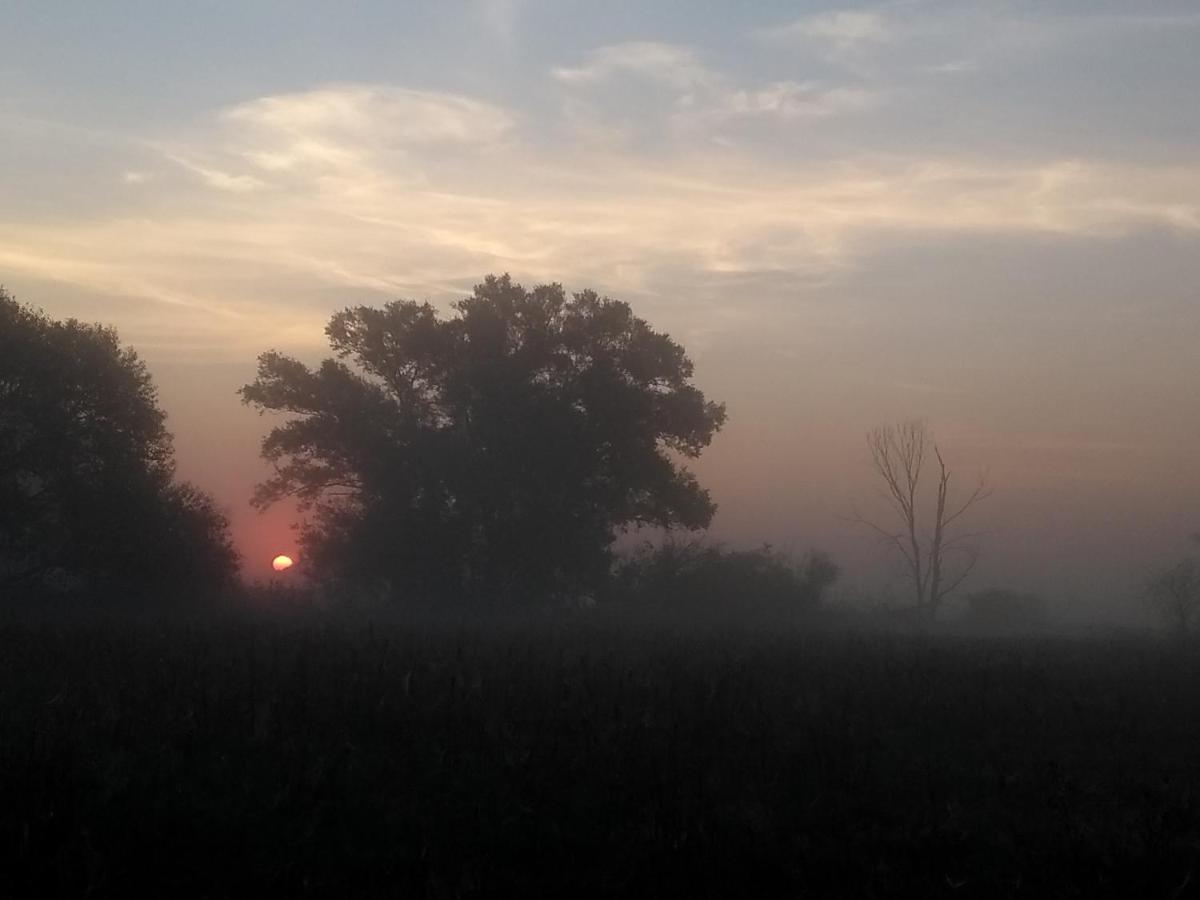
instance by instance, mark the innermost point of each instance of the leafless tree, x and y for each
(938, 556)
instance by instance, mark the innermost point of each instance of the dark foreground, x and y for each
(263, 759)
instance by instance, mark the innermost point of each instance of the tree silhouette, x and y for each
(700, 578)
(898, 454)
(1175, 595)
(87, 501)
(489, 456)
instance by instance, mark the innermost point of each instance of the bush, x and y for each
(698, 577)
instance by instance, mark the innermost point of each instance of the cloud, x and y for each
(335, 137)
(383, 113)
(380, 191)
(792, 100)
(216, 178)
(670, 63)
(841, 30)
(952, 67)
(339, 122)
(700, 97)
(939, 37)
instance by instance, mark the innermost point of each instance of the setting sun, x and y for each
(281, 563)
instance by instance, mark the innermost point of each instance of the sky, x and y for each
(982, 214)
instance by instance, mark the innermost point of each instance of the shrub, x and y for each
(697, 577)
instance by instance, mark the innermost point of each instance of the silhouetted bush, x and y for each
(695, 577)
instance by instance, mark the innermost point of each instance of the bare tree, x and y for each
(937, 557)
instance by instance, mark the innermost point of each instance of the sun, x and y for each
(281, 563)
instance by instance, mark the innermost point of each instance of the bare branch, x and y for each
(961, 541)
(973, 558)
(982, 492)
(887, 537)
(898, 455)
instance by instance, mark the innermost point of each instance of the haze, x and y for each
(986, 215)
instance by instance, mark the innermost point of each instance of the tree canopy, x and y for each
(87, 500)
(490, 455)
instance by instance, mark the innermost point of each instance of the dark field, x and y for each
(238, 759)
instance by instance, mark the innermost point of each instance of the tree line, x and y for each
(489, 458)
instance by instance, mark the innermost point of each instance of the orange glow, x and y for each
(281, 563)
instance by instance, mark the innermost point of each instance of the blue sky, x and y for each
(985, 214)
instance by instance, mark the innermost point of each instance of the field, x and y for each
(266, 758)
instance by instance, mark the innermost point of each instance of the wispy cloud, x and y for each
(381, 114)
(216, 178)
(699, 96)
(792, 100)
(671, 63)
(384, 190)
(337, 128)
(842, 30)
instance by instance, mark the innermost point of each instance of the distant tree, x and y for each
(1175, 595)
(87, 501)
(1001, 609)
(818, 573)
(697, 577)
(937, 556)
(492, 455)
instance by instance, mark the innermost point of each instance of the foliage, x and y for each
(320, 761)
(694, 577)
(492, 455)
(87, 502)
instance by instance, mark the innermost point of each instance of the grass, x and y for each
(236, 758)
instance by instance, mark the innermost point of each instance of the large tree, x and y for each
(492, 455)
(87, 499)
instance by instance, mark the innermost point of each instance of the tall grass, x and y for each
(236, 758)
